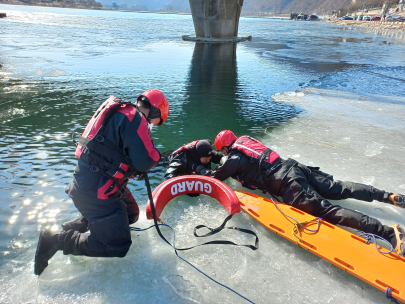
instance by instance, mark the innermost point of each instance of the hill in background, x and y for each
(257, 6)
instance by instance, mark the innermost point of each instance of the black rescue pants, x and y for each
(108, 222)
(309, 190)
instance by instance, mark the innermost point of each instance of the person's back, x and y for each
(241, 168)
(126, 131)
(245, 158)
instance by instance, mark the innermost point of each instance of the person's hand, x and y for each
(192, 166)
(193, 194)
(200, 169)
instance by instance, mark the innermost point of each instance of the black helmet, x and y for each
(204, 148)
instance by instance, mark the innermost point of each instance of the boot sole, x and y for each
(41, 260)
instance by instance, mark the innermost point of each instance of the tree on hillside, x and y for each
(365, 4)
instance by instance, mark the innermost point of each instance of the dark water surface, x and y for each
(58, 65)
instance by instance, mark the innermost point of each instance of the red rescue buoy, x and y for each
(186, 184)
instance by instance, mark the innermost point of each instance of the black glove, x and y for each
(193, 194)
(192, 166)
(201, 170)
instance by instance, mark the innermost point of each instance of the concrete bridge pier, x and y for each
(216, 19)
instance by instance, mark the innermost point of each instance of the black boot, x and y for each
(394, 199)
(47, 247)
(386, 198)
(398, 200)
(79, 224)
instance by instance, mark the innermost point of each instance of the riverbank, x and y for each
(387, 25)
(268, 15)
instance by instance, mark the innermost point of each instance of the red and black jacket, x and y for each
(247, 161)
(184, 156)
(114, 146)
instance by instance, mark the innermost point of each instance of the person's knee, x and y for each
(113, 232)
(119, 251)
(301, 196)
(119, 246)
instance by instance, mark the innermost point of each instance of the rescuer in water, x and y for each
(306, 188)
(189, 157)
(116, 145)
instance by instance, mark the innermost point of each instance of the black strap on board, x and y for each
(212, 231)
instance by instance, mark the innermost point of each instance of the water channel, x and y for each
(321, 93)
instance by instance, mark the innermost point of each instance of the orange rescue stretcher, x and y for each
(342, 248)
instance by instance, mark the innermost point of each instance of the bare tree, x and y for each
(385, 9)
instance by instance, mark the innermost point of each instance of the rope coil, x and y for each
(295, 231)
(369, 236)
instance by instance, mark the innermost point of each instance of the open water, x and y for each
(320, 93)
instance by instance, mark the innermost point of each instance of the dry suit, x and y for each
(305, 188)
(186, 160)
(103, 199)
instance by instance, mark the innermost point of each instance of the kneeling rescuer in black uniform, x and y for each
(116, 145)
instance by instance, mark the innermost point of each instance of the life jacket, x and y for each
(188, 146)
(191, 147)
(93, 148)
(258, 153)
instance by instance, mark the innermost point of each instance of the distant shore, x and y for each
(390, 25)
(387, 25)
(78, 6)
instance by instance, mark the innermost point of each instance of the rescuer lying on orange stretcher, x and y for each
(306, 188)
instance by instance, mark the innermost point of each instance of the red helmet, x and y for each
(224, 139)
(158, 102)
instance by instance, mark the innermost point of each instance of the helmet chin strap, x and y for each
(148, 118)
(150, 126)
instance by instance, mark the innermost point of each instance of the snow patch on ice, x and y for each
(373, 149)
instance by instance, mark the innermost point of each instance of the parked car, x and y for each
(346, 18)
(388, 18)
(360, 17)
(366, 18)
(376, 18)
(398, 18)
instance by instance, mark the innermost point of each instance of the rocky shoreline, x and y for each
(387, 25)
